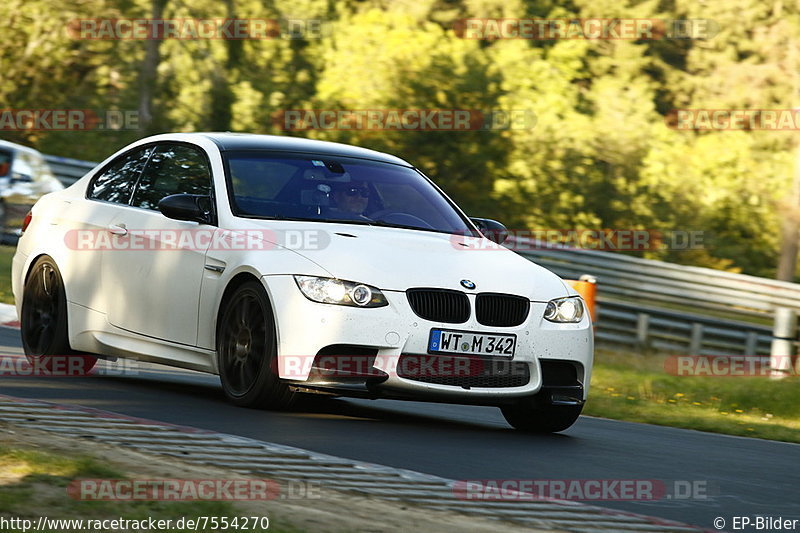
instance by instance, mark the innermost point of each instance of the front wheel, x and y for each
(43, 324)
(247, 350)
(541, 418)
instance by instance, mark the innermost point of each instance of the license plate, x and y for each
(464, 342)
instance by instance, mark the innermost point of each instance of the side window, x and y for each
(116, 182)
(173, 169)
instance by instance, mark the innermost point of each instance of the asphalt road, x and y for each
(742, 476)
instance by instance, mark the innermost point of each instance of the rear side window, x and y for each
(5, 163)
(173, 169)
(116, 182)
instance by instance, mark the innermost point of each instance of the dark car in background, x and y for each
(24, 178)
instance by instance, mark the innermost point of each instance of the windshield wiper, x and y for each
(364, 222)
(384, 224)
(357, 221)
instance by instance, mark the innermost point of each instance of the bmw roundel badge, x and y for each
(467, 284)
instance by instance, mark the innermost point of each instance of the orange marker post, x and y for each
(586, 286)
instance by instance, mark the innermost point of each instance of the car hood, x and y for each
(399, 259)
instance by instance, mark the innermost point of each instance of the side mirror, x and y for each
(190, 207)
(491, 229)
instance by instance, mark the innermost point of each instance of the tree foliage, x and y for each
(601, 153)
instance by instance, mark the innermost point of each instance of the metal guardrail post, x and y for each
(784, 332)
(696, 340)
(642, 328)
(751, 344)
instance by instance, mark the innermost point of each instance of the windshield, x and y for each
(337, 189)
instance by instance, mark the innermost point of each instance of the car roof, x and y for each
(18, 147)
(277, 143)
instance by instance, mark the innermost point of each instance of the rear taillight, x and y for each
(27, 220)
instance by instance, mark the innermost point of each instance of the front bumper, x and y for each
(307, 329)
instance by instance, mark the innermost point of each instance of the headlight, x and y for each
(564, 310)
(339, 292)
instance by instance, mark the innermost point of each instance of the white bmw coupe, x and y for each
(291, 266)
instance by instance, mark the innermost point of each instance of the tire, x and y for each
(541, 419)
(247, 351)
(43, 324)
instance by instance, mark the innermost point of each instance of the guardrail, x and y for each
(630, 289)
(68, 170)
(642, 328)
(705, 289)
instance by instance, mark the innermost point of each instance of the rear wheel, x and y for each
(541, 418)
(43, 324)
(247, 350)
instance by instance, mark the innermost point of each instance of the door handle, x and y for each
(117, 229)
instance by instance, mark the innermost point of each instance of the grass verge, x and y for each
(34, 482)
(637, 388)
(36, 469)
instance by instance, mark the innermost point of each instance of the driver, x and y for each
(351, 197)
